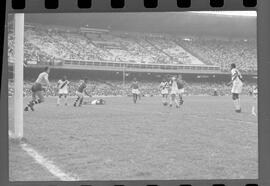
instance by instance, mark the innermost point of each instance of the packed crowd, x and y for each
(116, 88)
(224, 52)
(45, 44)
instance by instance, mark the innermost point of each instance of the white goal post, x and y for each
(18, 74)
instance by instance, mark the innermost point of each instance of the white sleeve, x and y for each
(234, 73)
(46, 78)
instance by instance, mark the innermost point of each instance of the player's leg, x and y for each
(253, 111)
(236, 102)
(81, 100)
(65, 99)
(59, 99)
(172, 99)
(163, 99)
(176, 100)
(30, 105)
(134, 98)
(34, 100)
(77, 99)
(166, 99)
(181, 101)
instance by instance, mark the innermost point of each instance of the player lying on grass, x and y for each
(62, 86)
(237, 85)
(80, 92)
(164, 89)
(95, 102)
(135, 90)
(38, 88)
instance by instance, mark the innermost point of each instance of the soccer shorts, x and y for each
(135, 91)
(38, 94)
(174, 92)
(79, 94)
(62, 91)
(164, 91)
(37, 87)
(181, 91)
(237, 88)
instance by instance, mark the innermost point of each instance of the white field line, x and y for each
(47, 164)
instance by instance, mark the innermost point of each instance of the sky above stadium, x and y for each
(225, 23)
(230, 13)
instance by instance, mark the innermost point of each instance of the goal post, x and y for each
(18, 74)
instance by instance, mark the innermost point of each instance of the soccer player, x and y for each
(255, 95)
(181, 90)
(164, 85)
(237, 84)
(135, 90)
(81, 91)
(37, 89)
(62, 86)
(174, 92)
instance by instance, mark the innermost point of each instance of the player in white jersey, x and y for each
(37, 89)
(255, 95)
(62, 85)
(164, 89)
(174, 92)
(237, 84)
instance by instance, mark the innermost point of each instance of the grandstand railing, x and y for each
(106, 65)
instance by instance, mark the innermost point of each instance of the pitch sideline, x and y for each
(47, 164)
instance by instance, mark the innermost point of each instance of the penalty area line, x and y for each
(44, 162)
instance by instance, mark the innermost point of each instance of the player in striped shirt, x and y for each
(164, 89)
(81, 91)
(37, 89)
(62, 85)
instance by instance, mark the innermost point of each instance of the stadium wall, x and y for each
(30, 74)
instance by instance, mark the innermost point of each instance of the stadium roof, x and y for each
(203, 23)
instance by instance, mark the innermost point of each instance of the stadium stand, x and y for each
(224, 52)
(44, 44)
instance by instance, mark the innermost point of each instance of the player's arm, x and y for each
(47, 80)
(86, 93)
(234, 76)
(58, 85)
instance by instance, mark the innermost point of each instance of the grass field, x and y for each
(204, 139)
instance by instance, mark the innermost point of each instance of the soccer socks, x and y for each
(176, 103)
(237, 104)
(253, 111)
(76, 101)
(81, 101)
(31, 104)
(58, 101)
(134, 98)
(65, 100)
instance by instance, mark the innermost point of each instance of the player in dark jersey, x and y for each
(180, 85)
(135, 90)
(80, 92)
